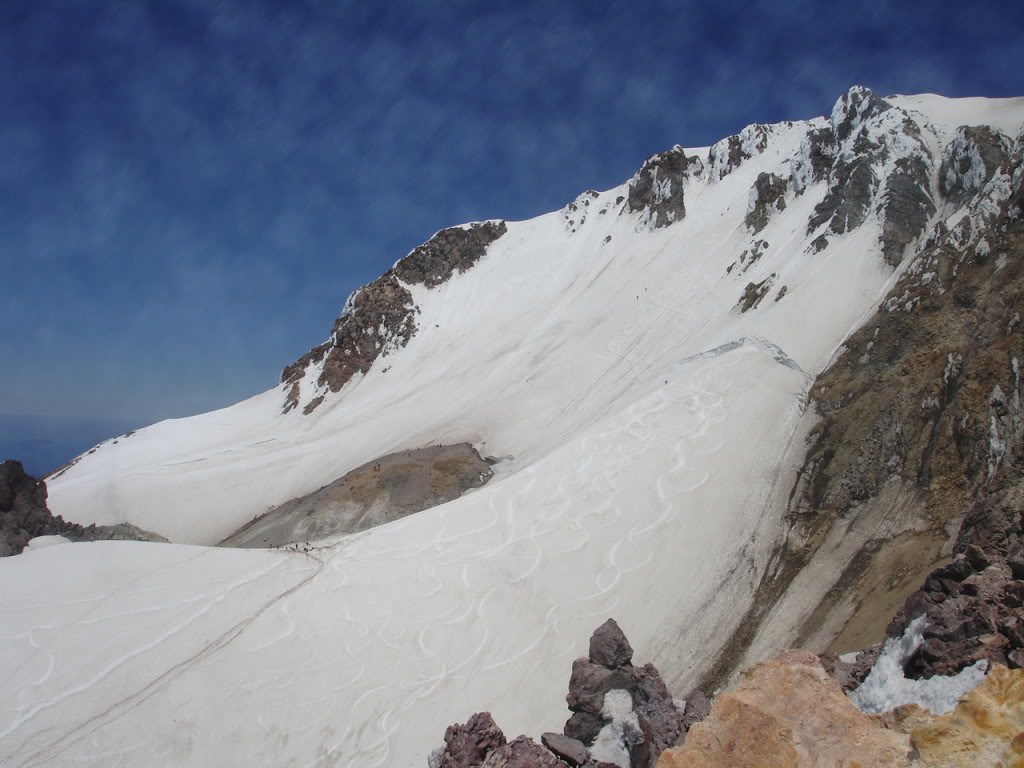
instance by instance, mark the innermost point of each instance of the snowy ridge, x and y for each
(642, 418)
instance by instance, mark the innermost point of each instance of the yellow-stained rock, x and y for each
(788, 713)
(985, 729)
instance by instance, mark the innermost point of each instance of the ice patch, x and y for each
(622, 732)
(886, 688)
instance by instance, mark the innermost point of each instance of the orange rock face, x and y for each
(788, 713)
(985, 729)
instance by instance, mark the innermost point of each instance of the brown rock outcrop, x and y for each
(522, 752)
(788, 713)
(659, 722)
(380, 317)
(467, 746)
(618, 710)
(25, 515)
(378, 492)
(921, 414)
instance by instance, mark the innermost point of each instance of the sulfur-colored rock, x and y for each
(788, 713)
(985, 729)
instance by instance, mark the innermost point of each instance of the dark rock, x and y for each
(854, 108)
(468, 745)
(25, 515)
(697, 708)
(976, 558)
(522, 752)
(970, 160)
(729, 153)
(571, 750)
(448, 251)
(590, 682)
(906, 208)
(609, 646)
(661, 722)
(848, 199)
(821, 152)
(958, 570)
(583, 726)
(381, 316)
(644, 753)
(658, 187)
(769, 194)
(753, 293)
(657, 710)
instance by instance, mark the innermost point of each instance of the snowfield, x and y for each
(647, 429)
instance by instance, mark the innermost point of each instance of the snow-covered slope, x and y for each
(639, 361)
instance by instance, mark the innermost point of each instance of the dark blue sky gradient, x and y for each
(190, 188)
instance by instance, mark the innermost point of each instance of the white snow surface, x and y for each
(644, 425)
(886, 687)
(621, 731)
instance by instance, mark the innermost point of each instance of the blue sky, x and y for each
(190, 188)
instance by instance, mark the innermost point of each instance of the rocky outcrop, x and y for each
(522, 752)
(659, 723)
(25, 515)
(919, 416)
(380, 317)
(622, 716)
(874, 159)
(907, 207)
(467, 745)
(767, 195)
(787, 712)
(727, 155)
(985, 729)
(452, 250)
(375, 493)
(969, 162)
(657, 190)
(753, 293)
(973, 606)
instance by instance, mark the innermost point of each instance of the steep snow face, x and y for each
(638, 361)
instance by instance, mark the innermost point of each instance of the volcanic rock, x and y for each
(659, 724)
(467, 745)
(377, 492)
(609, 646)
(571, 750)
(25, 515)
(380, 317)
(522, 752)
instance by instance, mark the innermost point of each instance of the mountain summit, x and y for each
(701, 394)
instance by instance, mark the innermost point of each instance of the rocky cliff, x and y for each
(917, 422)
(381, 317)
(24, 515)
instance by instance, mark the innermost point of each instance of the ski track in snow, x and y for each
(458, 582)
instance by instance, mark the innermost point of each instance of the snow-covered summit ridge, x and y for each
(643, 448)
(786, 202)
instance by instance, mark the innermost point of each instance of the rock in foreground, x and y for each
(622, 716)
(787, 712)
